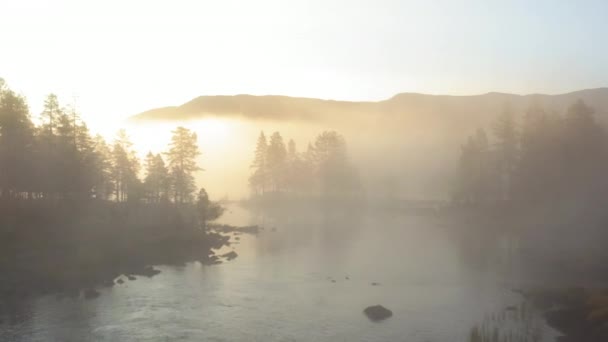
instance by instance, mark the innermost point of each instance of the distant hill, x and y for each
(412, 140)
(472, 109)
(254, 107)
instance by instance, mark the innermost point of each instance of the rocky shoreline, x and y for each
(580, 314)
(78, 268)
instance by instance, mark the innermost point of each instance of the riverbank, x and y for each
(580, 314)
(71, 250)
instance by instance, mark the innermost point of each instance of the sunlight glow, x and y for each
(213, 131)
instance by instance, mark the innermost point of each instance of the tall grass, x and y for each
(513, 324)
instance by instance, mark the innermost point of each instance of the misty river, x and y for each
(303, 278)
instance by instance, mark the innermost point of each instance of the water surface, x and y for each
(305, 277)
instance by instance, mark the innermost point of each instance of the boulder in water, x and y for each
(377, 313)
(148, 271)
(91, 294)
(230, 255)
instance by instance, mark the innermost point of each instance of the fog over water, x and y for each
(386, 170)
(311, 277)
(472, 219)
(227, 146)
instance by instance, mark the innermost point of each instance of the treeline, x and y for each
(76, 212)
(324, 169)
(544, 158)
(59, 159)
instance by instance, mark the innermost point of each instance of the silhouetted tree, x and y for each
(293, 167)
(88, 161)
(506, 151)
(585, 151)
(156, 183)
(51, 150)
(276, 158)
(475, 170)
(65, 156)
(259, 178)
(125, 167)
(207, 210)
(539, 173)
(323, 169)
(331, 165)
(16, 144)
(562, 161)
(51, 114)
(103, 187)
(182, 164)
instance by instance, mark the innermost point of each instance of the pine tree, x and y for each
(102, 177)
(332, 168)
(51, 113)
(156, 182)
(182, 164)
(207, 210)
(125, 167)
(259, 178)
(16, 145)
(293, 166)
(505, 132)
(475, 170)
(88, 161)
(276, 158)
(585, 150)
(538, 151)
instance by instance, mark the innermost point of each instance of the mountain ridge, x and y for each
(308, 108)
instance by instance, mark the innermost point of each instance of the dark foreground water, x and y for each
(304, 278)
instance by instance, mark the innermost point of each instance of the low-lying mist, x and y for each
(389, 161)
(406, 147)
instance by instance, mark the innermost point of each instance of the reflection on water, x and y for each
(304, 277)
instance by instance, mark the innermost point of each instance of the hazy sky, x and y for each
(121, 57)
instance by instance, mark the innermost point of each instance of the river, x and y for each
(303, 278)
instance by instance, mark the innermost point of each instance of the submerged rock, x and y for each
(148, 271)
(377, 313)
(120, 281)
(230, 255)
(108, 283)
(375, 284)
(91, 294)
(224, 228)
(130, 277)
(72, 293)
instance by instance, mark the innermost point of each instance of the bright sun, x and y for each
(214, 135)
